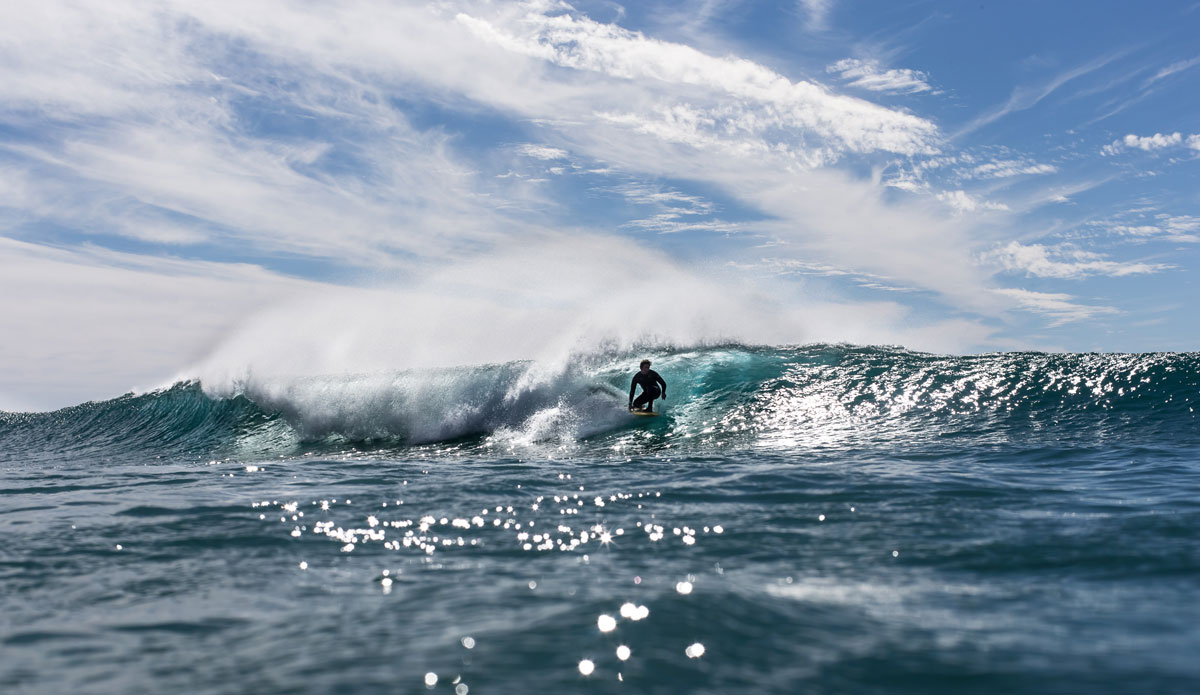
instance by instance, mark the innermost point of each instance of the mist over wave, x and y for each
(554, 304)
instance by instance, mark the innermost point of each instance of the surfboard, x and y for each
(641, 414)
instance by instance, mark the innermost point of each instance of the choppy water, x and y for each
(821, 519)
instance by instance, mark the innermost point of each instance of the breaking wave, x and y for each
(733, 395)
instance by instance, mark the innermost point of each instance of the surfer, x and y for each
(649, 380)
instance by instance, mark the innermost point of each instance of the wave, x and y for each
(810, 396)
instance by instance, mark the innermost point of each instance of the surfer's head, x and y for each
(645, 365)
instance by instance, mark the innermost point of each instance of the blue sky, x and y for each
(211, 189)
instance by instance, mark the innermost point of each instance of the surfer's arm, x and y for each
(632, 388)
(664, 386)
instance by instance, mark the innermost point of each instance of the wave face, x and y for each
(815, 396)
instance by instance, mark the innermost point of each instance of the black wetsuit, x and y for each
(649, 383)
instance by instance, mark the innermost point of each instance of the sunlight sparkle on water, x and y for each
(632, 612)
(586, 667)
(623, 652)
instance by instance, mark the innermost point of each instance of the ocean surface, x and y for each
(819, 519)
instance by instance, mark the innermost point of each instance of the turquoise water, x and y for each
(821, 519)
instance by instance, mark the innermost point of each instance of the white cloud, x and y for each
(1025, 97)
(1173, 228)
(787, 266)
(153, 141)
(1180, 227)
(675, 223)
(1008, 168)
(1064, 262)
(542, 152)
(960, 201)
(677, 212)
(818, 12)
(646, 194)
(1059, 307)
(1153, 142)
(867, 74)
(1149, 143)
(739, 96)
(1177, 66)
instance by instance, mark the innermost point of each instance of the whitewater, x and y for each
(817, 518)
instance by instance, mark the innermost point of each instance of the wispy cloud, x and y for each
(1064, 262)
(1162, 227)
(1061, 308)
(1173, 68)
(542, 152)
(1009, 168)
(817, 13)
(1025, 97)
(755, 102)
(783, 266)
(676, 211)
(868, 74)
(961, 201)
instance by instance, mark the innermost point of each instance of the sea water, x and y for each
(825, 519)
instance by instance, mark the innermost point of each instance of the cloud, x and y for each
(785, 266)
(1164, 227)
(867, 74)
(1149, 143)
(1008, 168)
(739, 97)
(1064, 262)
(1153, 142)
(1180, 227)
(646, 194)
(1024, 97)
(818, 13)
(961, 202)
(677, 212)
(542, 152)
(185, 133)
(1059, 307)
(1177, 66)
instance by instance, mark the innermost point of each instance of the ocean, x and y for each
(815, 519)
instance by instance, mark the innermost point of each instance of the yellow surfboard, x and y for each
(640, 413)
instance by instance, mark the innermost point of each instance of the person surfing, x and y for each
(650, 381)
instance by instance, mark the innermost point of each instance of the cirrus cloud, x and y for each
(867, 74)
